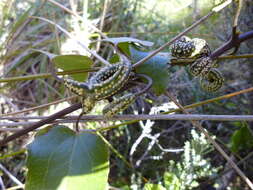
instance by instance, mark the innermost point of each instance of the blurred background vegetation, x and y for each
(179, 157)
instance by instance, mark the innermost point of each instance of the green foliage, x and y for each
(73, 62)
(242, 139)
(171, 181)
(144, 19)
(150, 186)
(120, 40)
(70, 63)
(156, 68)
(123, 44)
(183, 175)
(59, 158)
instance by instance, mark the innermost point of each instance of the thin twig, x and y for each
(180, 62)
(184, 117)
(171, 111)
(11, 127)
(12, 177)
(160, 33)
(188, 61)
(234, 42)
(174, 39)
(2, 187)
(102, 23)
(12, 154)
(18, 187)
(39, 107)
(47, 75)
(242, 161)
(186, 107)
(238, 11)
(40, 123)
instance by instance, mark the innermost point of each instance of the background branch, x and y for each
(184, 117)
(234, 41)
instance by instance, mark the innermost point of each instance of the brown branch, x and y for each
(38, 107)
(98, 118)
(234, 42)
(41, 123)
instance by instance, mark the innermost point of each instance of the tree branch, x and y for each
(98, 118)
(234, 41)
(187, 61)
(40, 123)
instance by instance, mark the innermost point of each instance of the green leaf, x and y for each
(70, 63)
(171, 181)
(156, 68)
(150, 186)
(123, 43)
(49, 55)
(59, 159)
(22, 60)
(114, 59)
(125, 48)
(73, 62)
(117, 41)
(241, 139)
(21, 20)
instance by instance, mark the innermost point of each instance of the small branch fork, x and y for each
(234, 42)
